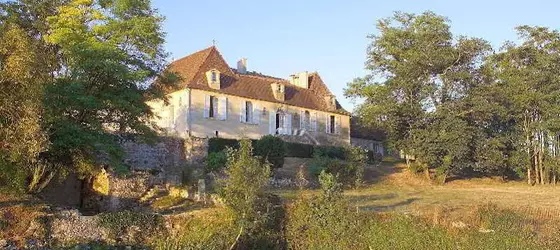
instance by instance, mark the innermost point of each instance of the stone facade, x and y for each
(185, 117)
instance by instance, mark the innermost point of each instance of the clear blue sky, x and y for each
(283, 37)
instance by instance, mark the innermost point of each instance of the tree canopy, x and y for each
(457, 106)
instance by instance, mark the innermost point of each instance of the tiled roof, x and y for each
(251, 85)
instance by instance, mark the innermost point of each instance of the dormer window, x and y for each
(213, 78)
(331, 101)
(278, 90)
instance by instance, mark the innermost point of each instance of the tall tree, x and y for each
(420, 75)
(529, 75)
(110, 52)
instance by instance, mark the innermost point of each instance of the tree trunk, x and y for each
(529, 175)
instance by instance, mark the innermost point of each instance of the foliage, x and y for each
(243, 192)
(299, 150)
(357, 159)
(350, 171)
(329, 151)
(71, 71)
(217, 144)
(216, 161)
(271, 149)
(459, 110)
(21, 91)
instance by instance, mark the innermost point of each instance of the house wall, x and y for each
(375, 146)
(179, 119)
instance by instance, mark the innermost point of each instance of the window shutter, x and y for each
(327, 124)
(256, 114)
(223, 108)
(243, 112)
(272, 123)
(206, 106)
(302, 119)
(314, 121)
(288, 124)
(216, 103)
(337, 125)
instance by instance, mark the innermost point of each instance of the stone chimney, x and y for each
(300, 79)
(242, 66)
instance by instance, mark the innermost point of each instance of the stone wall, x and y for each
(168, 155)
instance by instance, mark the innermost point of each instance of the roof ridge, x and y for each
(265, 77)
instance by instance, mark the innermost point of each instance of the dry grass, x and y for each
(390, 187)
(21, 218)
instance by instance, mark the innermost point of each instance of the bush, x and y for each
(272, 149)
(216, 145)
(216, 161)
(330, 151)
(299, 150)
(244, 194)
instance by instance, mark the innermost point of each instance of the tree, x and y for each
(110, 53)
(74, 72)
(420, 77)
(21, 93)
(243, 190)
(528, 75)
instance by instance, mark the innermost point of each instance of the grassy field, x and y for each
(390, 187)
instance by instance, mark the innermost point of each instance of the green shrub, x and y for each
(244, 194)
(417, 167)
(272, 149)
(220, 144)
(216, 161)
(299, 150)
(350, 171)
(330, 151)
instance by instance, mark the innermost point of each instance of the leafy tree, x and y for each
(21, 92)
(73, 72)
(420, 77)
(528, 76)
(243, 190)
(110, 51)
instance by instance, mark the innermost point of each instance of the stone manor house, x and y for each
(214, 100)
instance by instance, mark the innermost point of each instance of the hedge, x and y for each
(298, 150)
